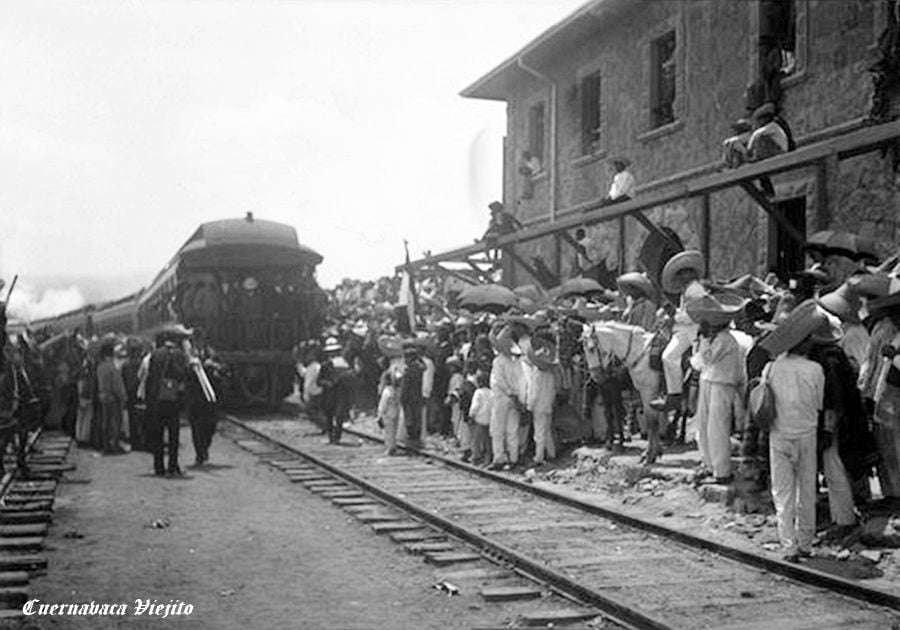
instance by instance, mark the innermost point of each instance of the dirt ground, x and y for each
(242, 545)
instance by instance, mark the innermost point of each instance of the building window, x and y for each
(778, 36)
(590, 114)
(536, 132)
(662, 87)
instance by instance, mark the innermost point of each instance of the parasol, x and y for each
(842, 243)
(493, 298)
(579, 286)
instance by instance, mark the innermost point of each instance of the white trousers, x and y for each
(715, 403)
(504, 430)
(793, 465)
(682, 338)
(391, 420)
(840, 494)
(543, 436)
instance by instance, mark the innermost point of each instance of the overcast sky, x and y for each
(123, 125)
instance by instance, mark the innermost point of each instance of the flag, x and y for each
(405, 309)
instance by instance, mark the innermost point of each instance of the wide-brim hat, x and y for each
(543, 354)
(454, 360)
(174, 331)
(332, 345)
(390, 346)
(742, 125)
(814, 274)
(873, 285)
(714, 309)
(620, 159)
(250, 283)
(843, 303)
(766, 109)
(749, 286)
(886, 306)
(635, 280)
(806, 319)
(829, 332)
(689, 259)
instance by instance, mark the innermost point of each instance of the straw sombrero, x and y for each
(807, 318)
(690, 259)
(715, 310)
(390, 346)
(636, 280)
(843, 302)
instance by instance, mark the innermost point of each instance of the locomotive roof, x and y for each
(248, 231)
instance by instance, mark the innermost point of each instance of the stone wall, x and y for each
(716, 62)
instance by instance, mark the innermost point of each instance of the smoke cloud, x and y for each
(29, 304)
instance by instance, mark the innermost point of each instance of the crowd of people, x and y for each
(510, 383)
(110, 393)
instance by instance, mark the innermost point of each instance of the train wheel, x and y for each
(255, 383)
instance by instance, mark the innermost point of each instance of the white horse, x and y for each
(631, 345)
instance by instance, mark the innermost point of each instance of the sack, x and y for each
(761, 401)
(169, 388)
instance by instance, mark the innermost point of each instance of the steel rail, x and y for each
(618, 611)
(796, 572)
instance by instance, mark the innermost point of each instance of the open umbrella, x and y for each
(579, 286)
(493, 298)
(833, 242)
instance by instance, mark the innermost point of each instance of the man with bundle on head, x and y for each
(719, 360)
(798, 386)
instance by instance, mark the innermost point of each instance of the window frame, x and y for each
(801, 43)
(590, 84)
(656, 45)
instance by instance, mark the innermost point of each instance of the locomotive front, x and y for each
(248, 289)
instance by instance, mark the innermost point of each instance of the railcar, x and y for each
(247, 288)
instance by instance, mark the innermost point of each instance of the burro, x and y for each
(155, 608)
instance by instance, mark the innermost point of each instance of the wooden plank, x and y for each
(591, 212)
(773, 212)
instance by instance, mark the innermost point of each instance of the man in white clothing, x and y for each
(798, 385)
(507, 389)
(681, 275)
(623, 184)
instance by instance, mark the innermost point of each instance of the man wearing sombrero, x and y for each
(681, 275)
(719, 360)
(798, 385)
(641, 309)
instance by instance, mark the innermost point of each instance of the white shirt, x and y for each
(719, 359)
(311, 381)
(774, 131)
(427, 378)
(799, 388)
(482, 406)
(507, 377)
(622, 184)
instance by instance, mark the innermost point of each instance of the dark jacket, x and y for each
(165, 362)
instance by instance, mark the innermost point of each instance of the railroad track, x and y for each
(26, 510)
(638, 574)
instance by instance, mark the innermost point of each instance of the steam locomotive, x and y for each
(248, 290)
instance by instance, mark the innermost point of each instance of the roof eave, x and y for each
(493, 85)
